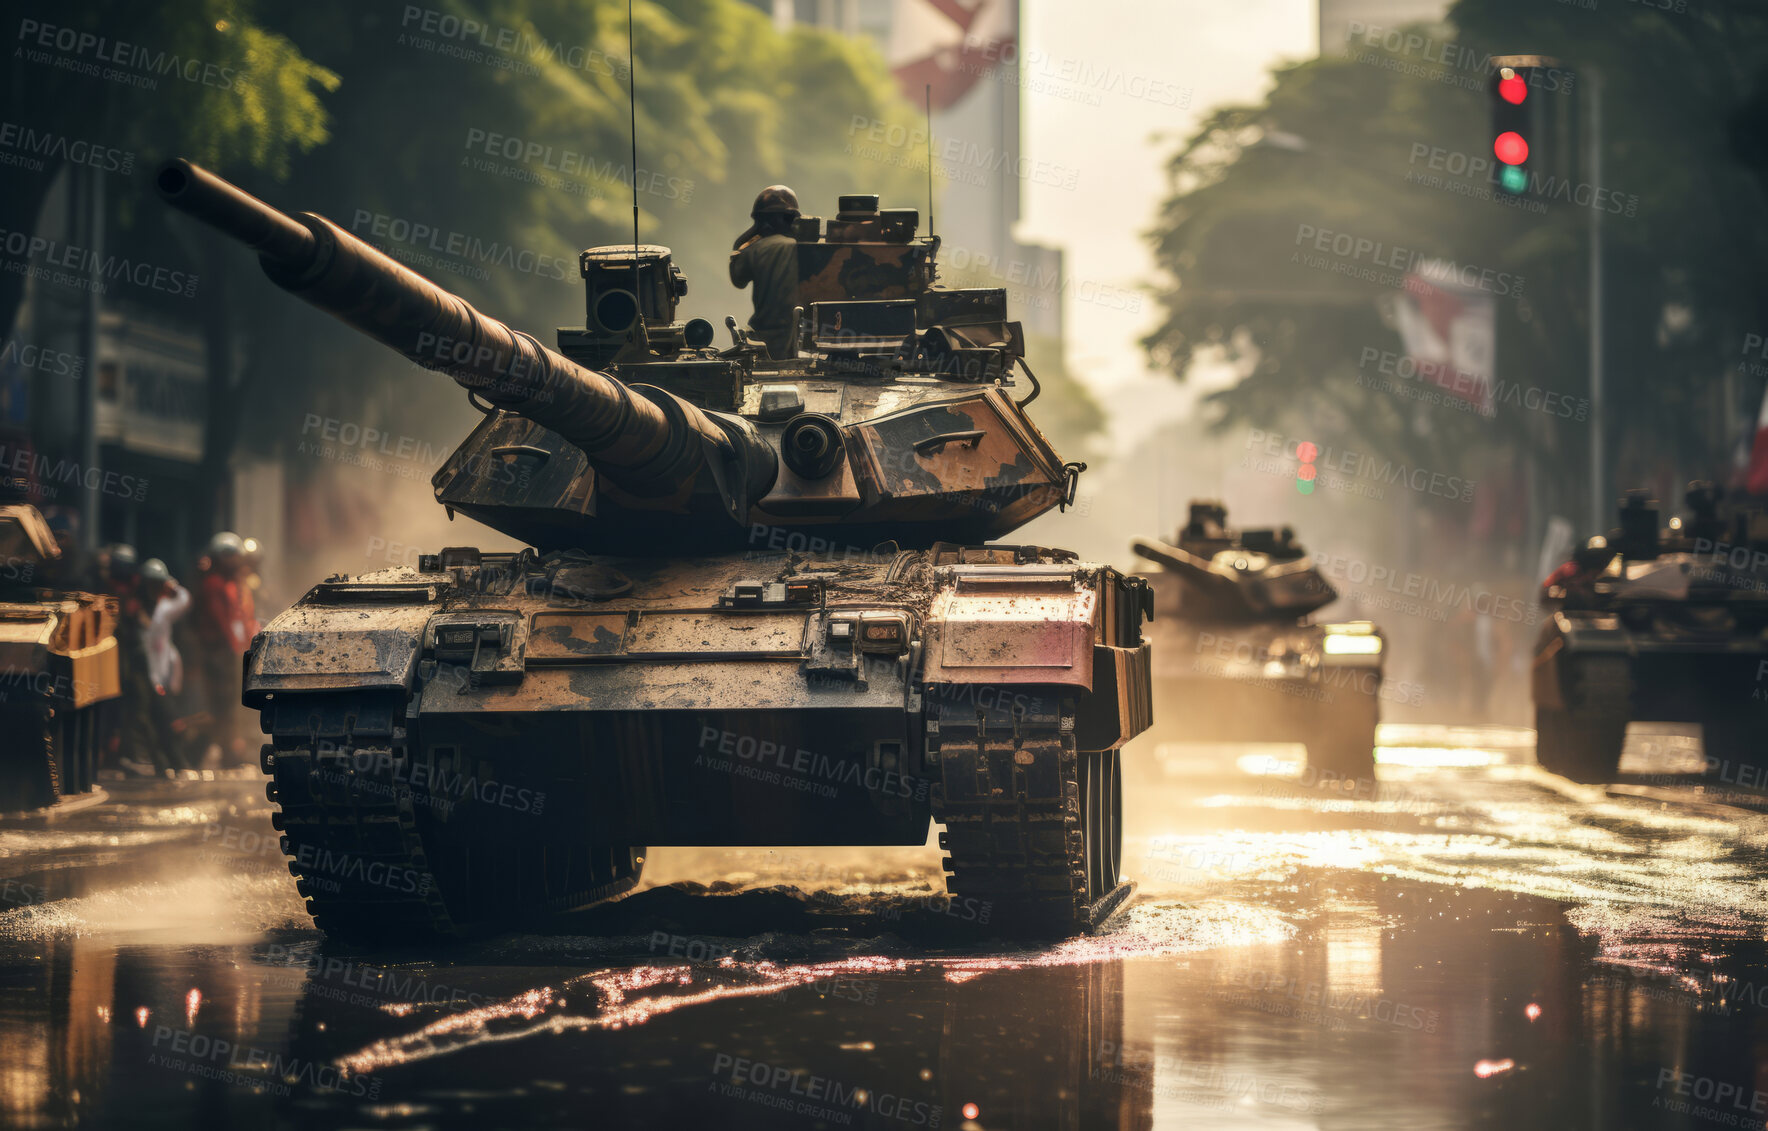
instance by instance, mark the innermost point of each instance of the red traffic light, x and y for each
(1513, 90)
(1510, 148)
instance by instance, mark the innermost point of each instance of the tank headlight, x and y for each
(1338, 644)
(882, 632)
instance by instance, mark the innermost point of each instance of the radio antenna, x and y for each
(632, 124)
(929, 158)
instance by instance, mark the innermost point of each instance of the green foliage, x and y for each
(225, 90)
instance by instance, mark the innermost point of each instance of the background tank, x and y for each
(1663, 625)
(1237, 657)
(760, 605)
(58, 669)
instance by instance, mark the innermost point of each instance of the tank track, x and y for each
(1009, 797)
(379, 858)
(30, 778)
(339, 771)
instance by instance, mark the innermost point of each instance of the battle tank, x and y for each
(1658, 625)
(58, 669)
(760, 603)
(1236, 657)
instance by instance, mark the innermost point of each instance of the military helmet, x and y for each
(153, 569)
(1594, 554)
(225, 544)
(775, 198)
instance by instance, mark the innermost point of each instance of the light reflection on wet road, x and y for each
(1471, 943)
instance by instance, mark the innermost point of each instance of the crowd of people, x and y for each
(180, 715)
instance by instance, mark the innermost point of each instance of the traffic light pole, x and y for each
(1599, 502)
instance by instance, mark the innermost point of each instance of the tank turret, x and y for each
(1229, 574)
(892, 424)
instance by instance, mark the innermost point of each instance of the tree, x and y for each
(213, 84)
(1336, 147)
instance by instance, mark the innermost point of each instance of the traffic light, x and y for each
(1511, 126)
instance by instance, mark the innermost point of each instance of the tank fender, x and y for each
(343, 636)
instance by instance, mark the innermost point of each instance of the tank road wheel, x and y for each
(1343, 739)
(1583, 740)
(1033, 826)
(1579, 745)
(386, 849)
(1101, 802)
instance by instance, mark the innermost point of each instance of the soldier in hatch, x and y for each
(766, 257)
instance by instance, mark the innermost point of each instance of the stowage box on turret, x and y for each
(693, 651)
(1237, 657)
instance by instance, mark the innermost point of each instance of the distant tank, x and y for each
(58, 670)
(1237, 657)
(762, 604)
(1665, 625)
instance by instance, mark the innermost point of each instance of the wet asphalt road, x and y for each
(1472, 943)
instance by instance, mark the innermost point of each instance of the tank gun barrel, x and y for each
(1182, 562)
(648, 441)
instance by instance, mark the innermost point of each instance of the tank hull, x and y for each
(570, 709)
(1269, 683)
(1594, 673)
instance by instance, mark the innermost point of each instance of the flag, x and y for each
(1449, 332)
(950, 45)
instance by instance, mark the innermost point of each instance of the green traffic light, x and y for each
(1513, 179)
